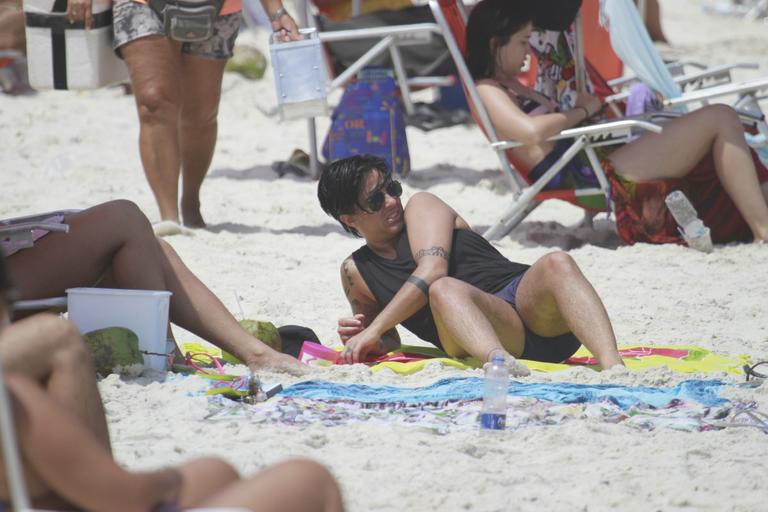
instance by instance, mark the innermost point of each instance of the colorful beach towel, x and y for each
(452, 405)
(680, 358)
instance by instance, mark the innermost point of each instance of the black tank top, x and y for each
(472, 260)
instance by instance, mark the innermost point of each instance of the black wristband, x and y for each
(420, 284)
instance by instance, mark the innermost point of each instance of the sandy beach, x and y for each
(271, 253)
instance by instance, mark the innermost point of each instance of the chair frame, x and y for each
(390, 38)
(526, 197)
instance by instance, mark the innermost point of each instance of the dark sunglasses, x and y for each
(393, 188)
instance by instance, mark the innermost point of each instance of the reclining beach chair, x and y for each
(526, 195)
(632, 43)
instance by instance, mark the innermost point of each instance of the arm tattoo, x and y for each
(347, 276)
(435, 250)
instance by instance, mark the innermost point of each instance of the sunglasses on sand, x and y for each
(375, 201)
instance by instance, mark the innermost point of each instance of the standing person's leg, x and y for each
(554, 297)
(50, 350)
(715, 128)
(202, 69)
(154, 64)
(201, 91)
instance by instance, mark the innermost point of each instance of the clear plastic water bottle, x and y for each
(693, 230)
(493, 415)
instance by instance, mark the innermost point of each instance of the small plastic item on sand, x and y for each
(316, 354)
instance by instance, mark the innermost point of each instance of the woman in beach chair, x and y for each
(423, 267)
(51, 382)
(112, 245)
(703, 153)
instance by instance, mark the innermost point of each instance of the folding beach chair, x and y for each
(388, 40)
(452, 18)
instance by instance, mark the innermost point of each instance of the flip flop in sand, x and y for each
(750, 371)
(169, 228)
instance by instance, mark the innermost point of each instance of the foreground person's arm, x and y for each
(430, 224)
(73, 464)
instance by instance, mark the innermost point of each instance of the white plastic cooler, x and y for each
(61, 55)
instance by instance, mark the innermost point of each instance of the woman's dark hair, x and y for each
(491, 24)
(341, 183)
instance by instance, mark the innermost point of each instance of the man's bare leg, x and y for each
(554, 297)
(472, 322)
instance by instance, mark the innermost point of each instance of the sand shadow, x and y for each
(257, 172)
(244, 229)
(447, 173)
(555, 235)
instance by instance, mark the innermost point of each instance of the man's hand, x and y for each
(350, 326)
(80, 10)
(358, 347)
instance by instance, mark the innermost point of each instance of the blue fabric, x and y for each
(631, 42)
(705, 392)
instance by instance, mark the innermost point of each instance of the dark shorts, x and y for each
(132, 21)
(540, 348)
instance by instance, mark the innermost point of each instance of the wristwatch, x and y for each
(278, 14)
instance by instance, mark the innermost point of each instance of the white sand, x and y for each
(271, 245)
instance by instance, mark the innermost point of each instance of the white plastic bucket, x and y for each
(145, 312)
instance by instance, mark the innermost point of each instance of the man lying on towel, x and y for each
(423, 267)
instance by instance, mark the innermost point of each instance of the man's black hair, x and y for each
(491, 24)
(341, 183)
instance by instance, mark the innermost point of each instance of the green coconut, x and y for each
(265, 331)
(113, 348)
(247, 61)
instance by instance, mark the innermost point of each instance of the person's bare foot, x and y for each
(190, 213)
(276, 361)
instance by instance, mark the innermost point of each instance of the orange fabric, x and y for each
(229, 7)
(597, 42)
(343, 10)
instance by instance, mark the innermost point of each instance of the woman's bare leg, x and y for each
(554, 297)
(113, 237)
(294, 486)
(685, 142)
(114, 241)
(154, 64)
(195, 308)
(201, 91)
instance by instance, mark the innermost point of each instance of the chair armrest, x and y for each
(36, 217)
(417, 33)
(721, 90)
(24, 227)
(595, 132)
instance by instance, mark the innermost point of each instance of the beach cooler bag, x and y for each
(61, 55)
(369, 120)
